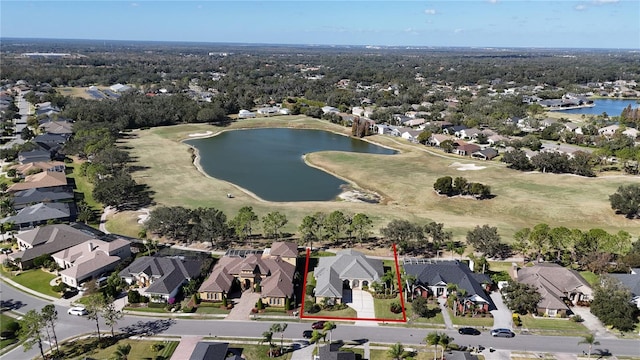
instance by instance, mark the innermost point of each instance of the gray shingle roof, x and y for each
(167, 272)
(209, 351)
(30, 196)
(39, 213)
(347, 264)
(451, 272)
(630, 281)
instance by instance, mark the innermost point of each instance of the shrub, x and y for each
(59, 287)
(419, 306)
(516, 320)
(172, 301)
(157, 347)
(577, 318)
(133, 297)
(259, 305)
(315, 308)
(310, 289)
(395, 308)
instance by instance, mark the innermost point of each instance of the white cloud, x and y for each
(493, 1)
(599, 2)
(580, 7)
(430, 11)
(135, 4)
(457, 31)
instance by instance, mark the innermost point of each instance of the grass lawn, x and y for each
(256, 352)
(437, 319)
(36, 279)
(382, 308)
(4, 325)
(591, 278)
(344, 313)
(124, 223)
(146, 309)
(471, 321)
(421, 355)
(210, 309)
(84, 187)
(547, 326)
(140, 349)
(521, 198)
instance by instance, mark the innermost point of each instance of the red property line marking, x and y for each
(304, 297)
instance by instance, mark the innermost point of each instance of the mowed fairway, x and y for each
(405, 180)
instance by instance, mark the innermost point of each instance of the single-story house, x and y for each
(437, 139)
(330, 109)
(411, 135)
(205, 350)
(270, 110)
(57, 127)
(469, 133)
(433, 278)
(25, 157)
(608, 130)
(454, 130)
(332, 352)
(39, 166)
(349, 268)
(246, 114)
(90, 259)
(485, 154)
(51, 142)
(383, 129)
(48, 239)
(163, 276)
(23, 198)
(119, 88)
(41, 213)
(632, 282)
(465, 149)
(43, 179)
(497, 139)
(556, 284)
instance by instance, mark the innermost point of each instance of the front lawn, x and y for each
(436, 319)
(550, 326)
(471, 321)
(140, 349)
(5, 324)
(256, 352)
(37, 280)
(382, 308)
(211, 308)
(591, 278)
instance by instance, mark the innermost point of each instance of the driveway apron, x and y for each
(362, 303)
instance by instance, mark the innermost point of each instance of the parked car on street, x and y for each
(77, 310)
(318, 325)
(307, 334)
(502, 333)
(468, 331)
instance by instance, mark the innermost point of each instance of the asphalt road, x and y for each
(69, 326)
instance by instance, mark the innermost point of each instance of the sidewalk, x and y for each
(442, 302)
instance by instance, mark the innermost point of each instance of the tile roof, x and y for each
(284, 249)
(553, 282)
(40, 180)
(89, 264)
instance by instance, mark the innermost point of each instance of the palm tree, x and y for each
(316, 336)
(267, 337)
(433, 338)
(396, 351)
(444, 341)
(122, 353)
(279, 328)
(328, 326)
(589, 340)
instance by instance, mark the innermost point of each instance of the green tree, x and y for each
(396, 351)
(626, 200)
(50, 318)
(209, 224)
(445, 341)
(335, 224)
(122, 352)
(485, 239)
(590, 340)
(279, 328)
(110, 314)
(444, 185)
(521, 298)
(118, 190)
(173, 222)
(360, 225)
(272, 223)
(435, 232)
(521, 242)
(309, 229)
(433, 338)
(460, 185)
(424, 137)
(243, 222)
(612, 304)
(328, 326)
(517, 159)
(31, 326)
(95, 306)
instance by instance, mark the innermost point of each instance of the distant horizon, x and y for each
(364, 46)
(568, 24)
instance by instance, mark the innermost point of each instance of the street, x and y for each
(69, 326)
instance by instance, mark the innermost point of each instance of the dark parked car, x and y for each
(318, 325)
(502, 333)
(468, 331)
(307, 334)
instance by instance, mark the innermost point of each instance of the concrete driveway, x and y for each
(502, 317)
(362, 303)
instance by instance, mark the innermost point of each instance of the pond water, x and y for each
(613, 107)
(269, 162)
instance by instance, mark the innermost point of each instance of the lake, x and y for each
(269, 162)
(613, 107)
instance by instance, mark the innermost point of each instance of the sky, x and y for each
(606, 24)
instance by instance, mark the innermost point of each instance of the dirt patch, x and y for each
(359, 196)
(204, 134)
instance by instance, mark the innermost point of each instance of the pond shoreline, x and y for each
(350, 192)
